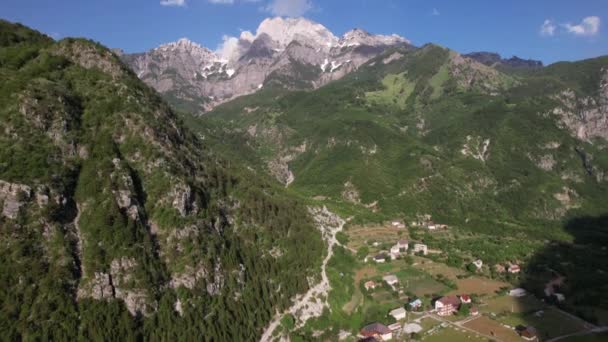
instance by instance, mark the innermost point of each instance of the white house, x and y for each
(517, 292)
(395, 252)
(419, 247)
(403, 245)
(380, 258)
(390, 279)
(446, 306)
(398, 313)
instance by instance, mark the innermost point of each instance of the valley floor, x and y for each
(425, 277)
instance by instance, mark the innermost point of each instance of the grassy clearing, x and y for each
(383, 234)
(452, 334)
(478, 285)
(397, 89)
(489, 327)
(507, 305)
(551, 323)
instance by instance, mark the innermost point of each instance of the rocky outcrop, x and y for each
(12, 197)
(585, 117)
(495, 60)
(476, 147)
(90, 56)
(119, 283)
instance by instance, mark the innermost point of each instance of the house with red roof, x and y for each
(378, 331)
(465, 299)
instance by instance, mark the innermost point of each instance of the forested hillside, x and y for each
(512, 161)
(117, 222)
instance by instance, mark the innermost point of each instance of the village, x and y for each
(429, 301)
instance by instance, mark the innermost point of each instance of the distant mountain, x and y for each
(291, 53)
(495, 60)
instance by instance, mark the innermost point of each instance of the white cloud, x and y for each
(225, 2)
(289, 8)
(228, 47)
(547, 28)
(590, 26)
(435, 12)
(173, 2)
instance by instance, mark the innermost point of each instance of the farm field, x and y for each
(478, 285)
(452, 334)
(508, 304)
(489, 327)
(360, 235)
(550, 324)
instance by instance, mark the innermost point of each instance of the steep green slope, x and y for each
(431, 132)
(117, 223)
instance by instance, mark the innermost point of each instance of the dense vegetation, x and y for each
(481, 150)
(128, 227)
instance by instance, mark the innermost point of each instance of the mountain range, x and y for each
(291, 53)
(126, 214)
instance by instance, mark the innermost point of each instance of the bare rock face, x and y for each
(12, 197)
(584, 117)
(189, 277)
(88, 56)
(293, 52)
(99, 287)
(182, 199)
(119, 283)
(476, 147)
(215, 287)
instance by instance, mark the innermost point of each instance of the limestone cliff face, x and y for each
(585, 117)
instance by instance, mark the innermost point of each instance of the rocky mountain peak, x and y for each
(185, 45)
(284, 30)
(359, 36)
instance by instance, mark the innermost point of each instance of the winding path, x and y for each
(310, 304)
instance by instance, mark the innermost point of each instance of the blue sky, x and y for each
(549, 30)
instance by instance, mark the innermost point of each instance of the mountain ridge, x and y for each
(196, 79)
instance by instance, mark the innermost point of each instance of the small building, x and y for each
(391, 279)
(517, 292)
(447, 305)
(398, 224)
(403, 245)
(394, 327)
(415, 304)
(380, 258)
(474, 311)
(513, 268)
(420, 247)
(528, 333)
(395, 252)
(378, 331)
(465, 299)
(478, 263)
(398, 313)
(370, 285)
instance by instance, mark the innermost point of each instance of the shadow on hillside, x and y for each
(571, 277)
